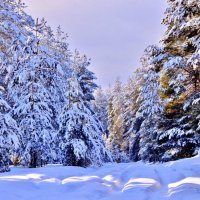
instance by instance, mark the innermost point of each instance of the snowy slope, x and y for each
(178, 180)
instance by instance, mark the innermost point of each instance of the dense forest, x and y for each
(51, 110)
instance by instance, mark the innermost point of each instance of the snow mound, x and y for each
(135, 181)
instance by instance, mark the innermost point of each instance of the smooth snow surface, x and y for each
(178, 180)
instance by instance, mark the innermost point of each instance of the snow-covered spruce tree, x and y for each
(63, 55)
(8, 134)
(32, 108)
(58, 70)
(181, 75)
(13, 34)
(57, 76)
(80, 138)
(14, 30)
(52, 74)
(150, 107)
(85, 76)
(182, 43)
(61, 48)
(141, 95)
(116, 142)
(131, 122)
(100, 105)
(192, 108)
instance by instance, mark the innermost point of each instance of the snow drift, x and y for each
(179, 180)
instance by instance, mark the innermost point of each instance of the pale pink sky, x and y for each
(113, 33)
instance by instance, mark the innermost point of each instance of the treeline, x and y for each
(155, 116)
(45, 96)
(48, 113)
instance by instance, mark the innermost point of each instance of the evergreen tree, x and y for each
(150, 105)
(8, 135)
(13, 33)
(115, 141)
(56, 76)
(100, 105)
(85, 76)
(32, 108)
(57, 70)
(132, 123)
(61, 48)
(80, 138)
(180, 79)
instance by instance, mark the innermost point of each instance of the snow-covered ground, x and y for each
(178, 180)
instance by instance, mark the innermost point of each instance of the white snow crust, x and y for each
(179, 180)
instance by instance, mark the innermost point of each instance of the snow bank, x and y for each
(178, 180)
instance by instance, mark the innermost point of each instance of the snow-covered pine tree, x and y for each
(14, 23)
(14, 30)
(57, 70)
(192, 109)
(9, 140)
(61, 47)
(81, 142)
(63, 55)
(131, 122)
(182, 43)
(150, 105)
(85, 76)
(116, 142)
(59, 51)
(181, 75)
(182, 21)
(32, 108)
(52, 73)
(100, 105)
